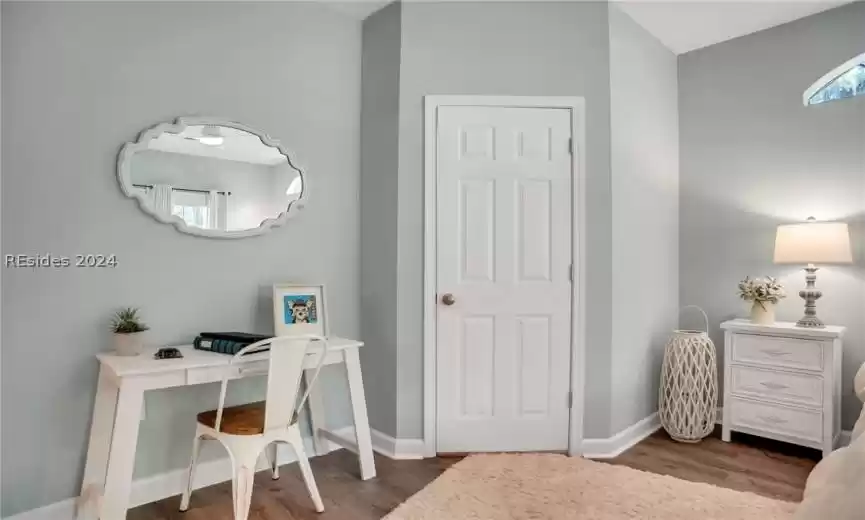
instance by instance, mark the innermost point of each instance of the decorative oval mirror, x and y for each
(211, 177)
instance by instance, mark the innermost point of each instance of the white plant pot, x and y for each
(763, 313)
(130, 344)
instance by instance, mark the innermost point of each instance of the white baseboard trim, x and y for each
(618, 443)
(163, 485)
(399, 449)
(390, 447)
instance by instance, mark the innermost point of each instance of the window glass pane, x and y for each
(191, 206)
(193, 215)
(848, 84)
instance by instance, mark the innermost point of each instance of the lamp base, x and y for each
(810, 295)
(811, 322)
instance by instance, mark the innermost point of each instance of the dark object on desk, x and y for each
(227, 342)
(167, 353)
(240, 337)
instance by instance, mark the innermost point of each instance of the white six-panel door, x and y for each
(503, 276)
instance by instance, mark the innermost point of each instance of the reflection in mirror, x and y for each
(213, 177)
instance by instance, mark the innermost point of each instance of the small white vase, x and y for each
(763, 313)
(129, 344)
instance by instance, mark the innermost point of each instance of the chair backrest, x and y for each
(287, 358)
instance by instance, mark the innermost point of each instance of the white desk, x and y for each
(120, 395)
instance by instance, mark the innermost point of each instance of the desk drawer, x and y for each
(195, 376)
(801, 389)
(781, 420)
(778, 352)
(249, 368)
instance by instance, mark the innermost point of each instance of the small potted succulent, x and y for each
(128, 332)
(765, 293)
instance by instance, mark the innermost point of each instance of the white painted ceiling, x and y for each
(681, 25)
(686, 25)
(237, 146)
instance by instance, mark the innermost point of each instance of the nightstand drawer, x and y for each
(800, 389)
(792, 422)
(777, 351)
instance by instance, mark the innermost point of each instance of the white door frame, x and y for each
(577, 106)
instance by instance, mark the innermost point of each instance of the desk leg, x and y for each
(316, 404)
(101, 427)
(358, 410)
(121, 461)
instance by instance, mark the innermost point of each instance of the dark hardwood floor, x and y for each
(751, 464)
(345, 496)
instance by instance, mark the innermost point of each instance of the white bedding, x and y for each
(836, 488)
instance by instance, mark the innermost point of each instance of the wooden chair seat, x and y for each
(245, 419)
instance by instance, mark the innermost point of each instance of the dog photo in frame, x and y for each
(299, 309)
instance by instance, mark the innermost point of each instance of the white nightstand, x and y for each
(783, 382)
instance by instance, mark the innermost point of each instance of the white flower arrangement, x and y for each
(761, 290)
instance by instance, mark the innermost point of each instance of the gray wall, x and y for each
(508, 48)
(644, 167)
(378, 213)
(81, 79)
(752, 157)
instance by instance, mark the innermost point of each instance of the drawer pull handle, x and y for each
(774, 386)
(772, 419)
(775, 352)
(252, 372)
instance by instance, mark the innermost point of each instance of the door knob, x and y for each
(448, 299)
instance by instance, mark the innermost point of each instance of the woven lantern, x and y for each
(689, 384)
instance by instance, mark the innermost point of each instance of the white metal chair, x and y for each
(247, 430)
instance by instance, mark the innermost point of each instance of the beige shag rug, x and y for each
(534, 486)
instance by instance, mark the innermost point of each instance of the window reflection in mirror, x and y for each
(214, 177)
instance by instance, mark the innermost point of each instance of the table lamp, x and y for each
(812, 243)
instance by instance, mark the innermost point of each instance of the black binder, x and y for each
(227, 342)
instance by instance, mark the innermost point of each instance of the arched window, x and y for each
(844, 81)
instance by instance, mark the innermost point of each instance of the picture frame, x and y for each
(299, 309)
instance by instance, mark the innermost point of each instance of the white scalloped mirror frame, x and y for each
(124, 177)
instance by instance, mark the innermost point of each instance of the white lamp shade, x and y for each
(813, 243)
